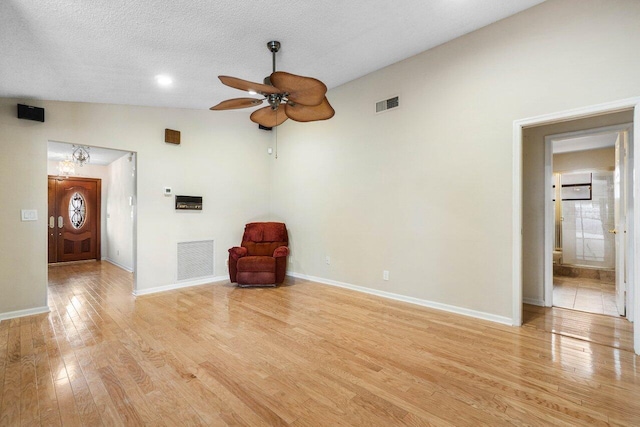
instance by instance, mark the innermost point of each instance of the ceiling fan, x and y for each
(289, 96)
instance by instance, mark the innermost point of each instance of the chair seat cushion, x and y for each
(257, 263)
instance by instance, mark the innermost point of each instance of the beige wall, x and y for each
(533, 195)
(425, 191)
(602, 158)
(222, 158)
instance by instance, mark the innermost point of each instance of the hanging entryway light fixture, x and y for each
(66, 167)
(80, 155)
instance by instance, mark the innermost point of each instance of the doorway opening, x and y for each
(74, 214)
(532, 186)
(74, 218)
(588, 208)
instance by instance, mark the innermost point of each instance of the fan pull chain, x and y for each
(277, 135)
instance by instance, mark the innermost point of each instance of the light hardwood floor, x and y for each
(303, 354)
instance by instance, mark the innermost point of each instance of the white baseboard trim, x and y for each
(190, 283)
(425, 303)
(109, 260)
(23, 313)
(533, 301)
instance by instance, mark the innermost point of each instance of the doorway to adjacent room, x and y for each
(92, 205)
(534, 222)
(591, 196)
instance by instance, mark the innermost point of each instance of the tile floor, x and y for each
(590, 295)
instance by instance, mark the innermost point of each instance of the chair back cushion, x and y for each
(262, 238)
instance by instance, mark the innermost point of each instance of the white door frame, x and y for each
(549, 220)
(516, 232)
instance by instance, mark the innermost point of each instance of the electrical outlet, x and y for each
(385, 275)
(226, 262)
(327, 260)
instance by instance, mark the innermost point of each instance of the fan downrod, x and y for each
(274, 47)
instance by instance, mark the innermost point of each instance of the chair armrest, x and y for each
(281, 251)
(237, 252)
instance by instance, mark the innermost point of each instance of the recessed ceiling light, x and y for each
(253, 92)
(164, 80)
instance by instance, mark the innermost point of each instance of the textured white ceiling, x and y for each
(110, 51)
(99, 156)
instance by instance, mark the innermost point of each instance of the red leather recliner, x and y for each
(262, 258)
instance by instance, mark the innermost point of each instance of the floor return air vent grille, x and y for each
(195, 259)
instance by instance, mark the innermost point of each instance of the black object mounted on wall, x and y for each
(28, 112)
(190, 203)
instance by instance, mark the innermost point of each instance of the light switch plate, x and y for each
(167, 191)
(29, 215)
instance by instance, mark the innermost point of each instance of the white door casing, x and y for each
(634, 223)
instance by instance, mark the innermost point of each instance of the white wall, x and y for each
(91, 171)
(424, 191)
(120, 208)
(222, 158)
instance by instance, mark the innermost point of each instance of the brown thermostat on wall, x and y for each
(191, 203)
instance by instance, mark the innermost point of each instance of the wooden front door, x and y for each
(74, 219)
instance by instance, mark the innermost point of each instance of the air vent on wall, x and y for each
(387, 104)
(195, 259)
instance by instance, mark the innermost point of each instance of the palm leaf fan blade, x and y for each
(232, 104)
(237, 83)
(304, 113)
(300, 89)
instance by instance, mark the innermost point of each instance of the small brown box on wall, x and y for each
(172, 136)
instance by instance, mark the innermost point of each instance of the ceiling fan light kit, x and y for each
(289, 96)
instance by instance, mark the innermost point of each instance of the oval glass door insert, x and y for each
(77, 210)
